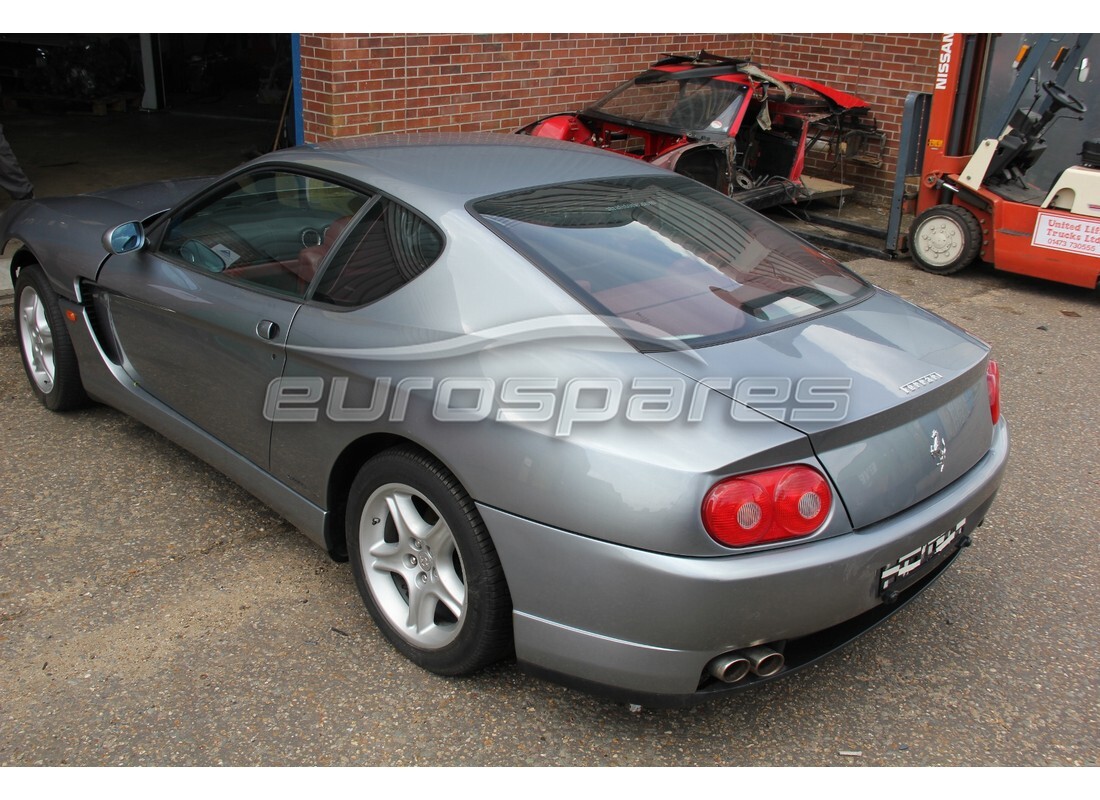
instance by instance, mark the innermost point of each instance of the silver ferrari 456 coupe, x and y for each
(550, 402)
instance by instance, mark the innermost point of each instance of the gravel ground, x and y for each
(152, 613)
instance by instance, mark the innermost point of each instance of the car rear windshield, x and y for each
(667, 260)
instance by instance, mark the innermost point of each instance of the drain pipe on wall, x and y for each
(297, 135)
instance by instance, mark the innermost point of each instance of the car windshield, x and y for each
(670, 101)
(668, 260)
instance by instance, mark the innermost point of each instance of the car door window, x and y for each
(386, 249)
(263, 229)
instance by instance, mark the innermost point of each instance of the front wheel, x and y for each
(945, 239)
(48, 355)
(425, 566)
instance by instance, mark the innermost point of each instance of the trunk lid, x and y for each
(892, 398)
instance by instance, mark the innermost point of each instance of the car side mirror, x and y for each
(124, 238)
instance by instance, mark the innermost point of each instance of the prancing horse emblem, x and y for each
(938, 449)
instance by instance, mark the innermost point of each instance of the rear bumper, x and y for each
(641, 626)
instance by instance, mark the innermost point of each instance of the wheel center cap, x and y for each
(425, 561)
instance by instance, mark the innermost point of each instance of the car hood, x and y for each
(145, 199)
(880, 388)
(67, 232)
(92, 213)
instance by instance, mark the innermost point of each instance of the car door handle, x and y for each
(266, 329)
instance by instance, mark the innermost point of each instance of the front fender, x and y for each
(60, 235)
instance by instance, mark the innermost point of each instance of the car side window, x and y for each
(262, 228)
(386, 249)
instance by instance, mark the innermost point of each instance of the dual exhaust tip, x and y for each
(736, 666)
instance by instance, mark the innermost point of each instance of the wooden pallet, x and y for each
(823, 189)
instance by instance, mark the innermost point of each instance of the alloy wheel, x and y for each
(412, 566)
(34, 330)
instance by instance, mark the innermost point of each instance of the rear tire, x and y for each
(425, 565)
(49, 358)
(945, 239)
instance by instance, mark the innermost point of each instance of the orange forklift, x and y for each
(976, 201)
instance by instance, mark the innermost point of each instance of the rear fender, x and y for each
(562, 127)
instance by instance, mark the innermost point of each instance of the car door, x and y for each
(355, 309)
(201, 315)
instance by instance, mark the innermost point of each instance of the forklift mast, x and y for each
(953, 114)
(957, 103)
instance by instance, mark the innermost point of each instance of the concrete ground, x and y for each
(152, 613)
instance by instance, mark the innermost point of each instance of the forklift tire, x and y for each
(944, 239)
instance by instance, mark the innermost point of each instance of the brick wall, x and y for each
(355, 84)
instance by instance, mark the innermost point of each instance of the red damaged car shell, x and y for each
(725, 122)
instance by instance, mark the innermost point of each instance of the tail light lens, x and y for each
(993, 381)
(769, 506)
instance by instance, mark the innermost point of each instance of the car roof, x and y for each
(442, 170)
(731, 70)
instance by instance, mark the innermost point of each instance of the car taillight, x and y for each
(769, 506)
(993, 381)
